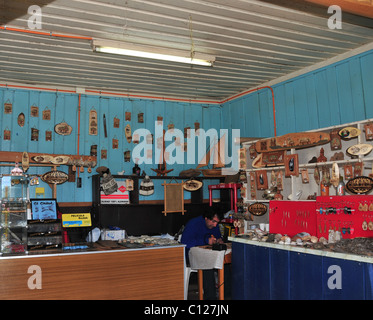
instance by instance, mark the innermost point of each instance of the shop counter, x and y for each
(269, 271)
(145, 273)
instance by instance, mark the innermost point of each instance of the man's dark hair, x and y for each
(210, 212)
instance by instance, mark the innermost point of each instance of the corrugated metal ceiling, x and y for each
(253, 42)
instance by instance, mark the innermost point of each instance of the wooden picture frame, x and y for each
(173, 198)
(261, 180)
(291, 162)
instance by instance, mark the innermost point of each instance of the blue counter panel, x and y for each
(272, 273)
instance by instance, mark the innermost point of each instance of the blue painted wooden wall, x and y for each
(336, 94)
(64, 107)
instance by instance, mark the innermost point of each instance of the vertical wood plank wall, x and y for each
(336, 94)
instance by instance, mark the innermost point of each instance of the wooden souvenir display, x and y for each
(128, 133)
(360, 185)
(116, 122)
(257, 209)
(34, 111)
(127, 156)
(280, 181)
(368, 128)
(159, 120)
(173, 198)
(242, 158)
(316, 174)
(34, 134)
(360, 149)
(103, 154)
(115, 143)
(261, 180)
(358, 169)
(186, 132)
(349, 132)
(149, 138)
(21, 120)
(269, 159)
(93, 151)
(127, 116)
(140, 117)
(335, 140)
(6, 134)
(48, 135)
(46, 114)
(348, 171)
(63, 129)
(322, 158)
(171, 127)
(25, 161)
(136, 138)
(252, 151)
(291, 165)
(252, 186)
(8, 107)
(129, 184)
(196, 127)
(305, 176)
(334, 180)
(104, 122)
(92, 128)
(292, 141)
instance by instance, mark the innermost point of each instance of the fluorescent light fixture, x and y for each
(135, 50)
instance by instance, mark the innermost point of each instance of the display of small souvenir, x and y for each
(115, 143)
(127, 116)
(127, 156)
(291, 165)
(140, 117)
(316, 175)
(171, 127)
(46, 114)
(261, 180)
(186, 132)
(8, 107)
(63, 129)
(34, 111)
(92, 127)
(93, 151)
(280, 181)
(128, 133)
(34, 134)
(322, 158)
(6, 134)
(335, 140)
(48, 135)
(349, 132)
(103, 154)
(368, 128)
(305, 176)
(348, 171)
(358, 169)
(21, 119)
(116, 122)
(252, 186)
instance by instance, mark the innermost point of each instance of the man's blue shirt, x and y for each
(197, 234)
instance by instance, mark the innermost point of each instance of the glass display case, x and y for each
(13, 214)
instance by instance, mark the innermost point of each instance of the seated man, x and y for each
(200, 231)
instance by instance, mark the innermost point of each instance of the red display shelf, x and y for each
(233, 188)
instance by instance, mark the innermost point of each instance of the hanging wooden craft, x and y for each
(104, 122)
(34, 111)
(25, 161)
(93, 150)
(173, 198)
(60, 159)
(93, 124)
(6, 134)
(34, 134)
(159, 120)
(252, 151)
(316, 175)
(103, 154)
(196, 126)
(292, 141)
(127, 116)
(269, 159)
(193, 185)
(335, 140)
(242, 158)
(127, 156)
(171, 127)
(280, 181)
(45, 158)
(21, 119)
(46, 114)
(140, 117)
(129, 184)
(186, 132)
(48, 135)
(63, 129)
(358, 169)
(257, 209)
(291, 165)
(55, 177)
(8, 107)
(349, 132)
(322, 157)
(252, 186)
(135, 138)
(116, 122)
(115, 143)
(305, 176)
(368, 128)
(360, 149)
(128, 133)
(360, 185)
(348, 171)
(334, 180)
(261, 180)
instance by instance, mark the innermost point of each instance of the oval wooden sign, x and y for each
(360, 185)
(257, 209)
(349, 132)
(55, 177)
(360, 149)
(63, 129)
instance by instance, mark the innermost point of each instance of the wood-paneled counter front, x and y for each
(131, 274)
